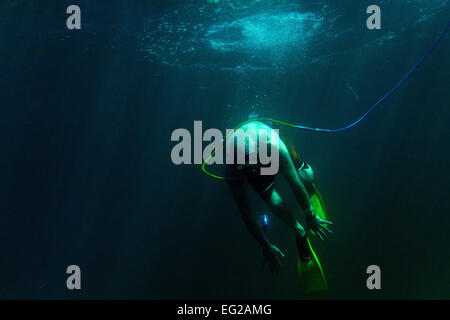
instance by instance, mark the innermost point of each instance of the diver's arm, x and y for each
(240, 196)
(313, 221)
(271, 253)
(287, 168)
(255, 229)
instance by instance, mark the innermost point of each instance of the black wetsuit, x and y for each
(262, 184)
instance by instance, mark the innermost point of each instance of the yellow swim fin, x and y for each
(310, 272)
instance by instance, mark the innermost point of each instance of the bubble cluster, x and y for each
(258, 35)
(230, 34)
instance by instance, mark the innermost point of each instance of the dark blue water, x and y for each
(86, 119)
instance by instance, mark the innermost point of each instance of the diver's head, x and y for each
(253, 115)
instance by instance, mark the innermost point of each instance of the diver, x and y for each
(297, 173)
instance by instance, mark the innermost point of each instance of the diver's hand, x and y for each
(272, 256)
(318, 225)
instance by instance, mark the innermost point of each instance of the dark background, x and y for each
(86, 176)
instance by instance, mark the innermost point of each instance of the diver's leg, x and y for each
(284, 212)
